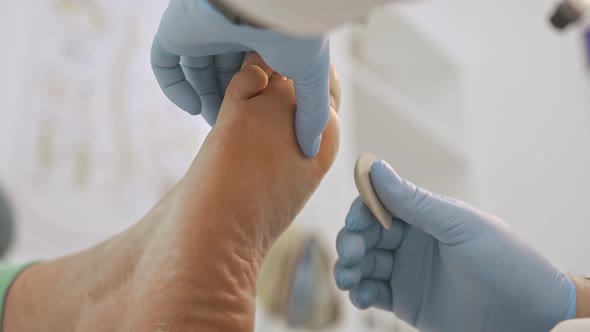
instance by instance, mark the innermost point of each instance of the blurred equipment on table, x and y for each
(295, 282)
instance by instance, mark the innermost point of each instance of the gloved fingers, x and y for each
(372, 293)
(428, 212)
(359, 217)
(361, 220)
(226, 66)
(352, 246)
(172, 80)
(376, 265)
(347, 277)
(200, 72)
(313, 107)
(252, 79)
(391, 238)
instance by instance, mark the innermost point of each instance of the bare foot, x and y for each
(192, 262)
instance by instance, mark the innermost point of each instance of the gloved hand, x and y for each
(445, 266)
(211, 50)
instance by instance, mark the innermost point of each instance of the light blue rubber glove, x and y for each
(211, 50)
(445, 266)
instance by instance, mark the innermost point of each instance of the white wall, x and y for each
(137, 143)
(529, 106)
(11, 35)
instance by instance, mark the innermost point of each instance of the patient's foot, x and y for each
(192, 262)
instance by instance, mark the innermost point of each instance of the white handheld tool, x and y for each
(362, 179)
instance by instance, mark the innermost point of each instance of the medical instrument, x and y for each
(232, 15)
(362, 180)
(303, 17)
(570, 12)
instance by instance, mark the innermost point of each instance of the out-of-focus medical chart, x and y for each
(97, 143)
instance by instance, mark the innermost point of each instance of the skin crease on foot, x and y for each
(192, 262)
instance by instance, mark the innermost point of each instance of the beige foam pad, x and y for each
(362, 179)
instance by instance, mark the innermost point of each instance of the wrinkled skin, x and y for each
(193, 260)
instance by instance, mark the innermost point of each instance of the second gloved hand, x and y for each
(445, 266)
(196, 52)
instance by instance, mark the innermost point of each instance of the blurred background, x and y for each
(481, 100)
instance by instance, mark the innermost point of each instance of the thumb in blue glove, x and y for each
(196, 51)
(445, 266)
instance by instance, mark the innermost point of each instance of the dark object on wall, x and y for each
(6, 224)
(565, 14)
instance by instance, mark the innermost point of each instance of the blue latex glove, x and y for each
(445, 266)
(211, 50)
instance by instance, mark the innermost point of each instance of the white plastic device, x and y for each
(304, 17)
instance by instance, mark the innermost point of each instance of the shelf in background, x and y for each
(416, 65)
(389, 121)
(395, 129)
(409, 101)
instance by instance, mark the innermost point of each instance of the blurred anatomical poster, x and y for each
(98, 143)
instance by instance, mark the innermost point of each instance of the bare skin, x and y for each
(583, 298)
(192, 262)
